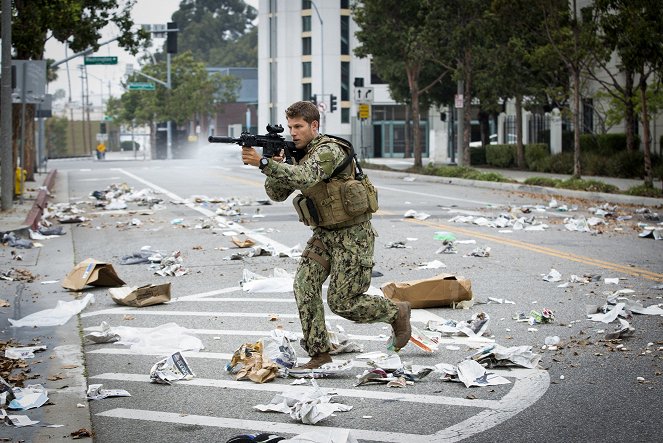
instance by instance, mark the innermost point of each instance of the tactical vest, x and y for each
(345, 199)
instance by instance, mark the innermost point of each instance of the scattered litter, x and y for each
(481, 251)
(475, 327)
(56, 316)
(171, 266)
(623, 330)
(103, 335)
(165, 339)
(141, 296)
(281, 281)
(95, 392)
(651, 232)
(552, 276)
(172, 368)
(309, 406)
(435, 264)
(23, 352)
(32, 396)
(248, 363)
(326, 370)
(552, 340)
(493, 355)
(611, 281)
(444, 236)
(500, 301)
(439, 291)
(396, 245)
(416, 215)
(16, 242)
(91, 272)
(470, 373)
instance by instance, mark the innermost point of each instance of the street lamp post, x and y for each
(322, 65)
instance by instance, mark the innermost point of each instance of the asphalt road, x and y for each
(586, 390)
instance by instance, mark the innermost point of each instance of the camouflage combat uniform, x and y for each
(349, 252)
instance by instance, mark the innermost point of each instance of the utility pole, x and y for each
(322, 67)
(6, 149)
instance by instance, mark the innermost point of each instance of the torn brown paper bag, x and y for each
(439, 291)
(141, 296)
(91, 272)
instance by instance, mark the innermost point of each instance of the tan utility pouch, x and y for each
(306, 210)
(371, 194)
(359, 197)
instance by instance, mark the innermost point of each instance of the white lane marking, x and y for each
(443, 197)
(208, 293)
(278, 247)
(97, 179)
(417, 316)
(254, 425)
(525, 392)
(275, 387)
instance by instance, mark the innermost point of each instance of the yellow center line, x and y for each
(625, 269)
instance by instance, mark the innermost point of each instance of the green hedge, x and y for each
(477, 156)
(501, 156)
(536, 156)
(604, 144)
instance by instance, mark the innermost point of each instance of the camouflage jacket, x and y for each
(283, 179)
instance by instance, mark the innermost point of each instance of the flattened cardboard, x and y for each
(439, 291)
(91, 272)
(139, 297)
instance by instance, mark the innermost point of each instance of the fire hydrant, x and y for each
(17, 186)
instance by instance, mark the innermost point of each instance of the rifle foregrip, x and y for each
(213, 139)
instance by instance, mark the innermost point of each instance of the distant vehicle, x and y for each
(510, 140)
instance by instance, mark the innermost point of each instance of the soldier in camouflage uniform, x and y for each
(341, 251)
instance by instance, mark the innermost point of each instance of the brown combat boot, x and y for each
(316, 361)
(401, 326)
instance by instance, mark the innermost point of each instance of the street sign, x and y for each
(364, 95)
(112, 60)
(364, 111)
(458, 101)
(141, 86)
(322, 106)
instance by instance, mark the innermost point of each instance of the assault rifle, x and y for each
(271, 143)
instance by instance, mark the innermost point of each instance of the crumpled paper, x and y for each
(309, 406)
(248, 363)
(171, 368)
(496, 355)
(471, 374)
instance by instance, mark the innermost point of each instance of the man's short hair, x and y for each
(306, 110)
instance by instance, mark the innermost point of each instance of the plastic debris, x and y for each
(23, 352)
(552, 276)
(281, 281)
(57, 316)
(622, 331)
(103, 335)
(32, 396)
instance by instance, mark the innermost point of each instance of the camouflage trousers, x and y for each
(349, 255)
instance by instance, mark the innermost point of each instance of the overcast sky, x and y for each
(102, 78)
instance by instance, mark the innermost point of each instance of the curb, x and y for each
(602, 196)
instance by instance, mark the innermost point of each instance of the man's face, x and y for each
(302, 132)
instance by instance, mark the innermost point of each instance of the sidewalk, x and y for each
(402, 164)
(60, 368)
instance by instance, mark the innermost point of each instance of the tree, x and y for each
(634, 30)
(218, 32)
(409, 52)
(77, 22)
(194, 93)
(569, 40)
(56, 136)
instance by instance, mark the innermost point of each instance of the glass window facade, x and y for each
(306, 23)
(306, 69)
(345, 35)
(306, 91)
(306, 46)
(345, 80)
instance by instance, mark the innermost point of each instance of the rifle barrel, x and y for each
(213, 139)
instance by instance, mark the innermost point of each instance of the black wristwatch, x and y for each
(263, 162)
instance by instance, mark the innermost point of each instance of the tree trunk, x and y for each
(649, 179)
(629, 112)
(413, 82)
(576, 122)
(28, 160)
(520, 149)
(407, 131)
(467, 114)
(484, 130)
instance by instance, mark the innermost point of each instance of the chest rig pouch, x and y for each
(344, 199)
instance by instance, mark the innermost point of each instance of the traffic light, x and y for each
(314, 99)
(102, 127)
(171, 38)
(332, 103)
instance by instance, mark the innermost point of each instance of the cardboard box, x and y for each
(91, 272)
(141, 296)
(436, 292)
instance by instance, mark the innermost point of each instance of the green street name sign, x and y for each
(101, 60)
(140, 86)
